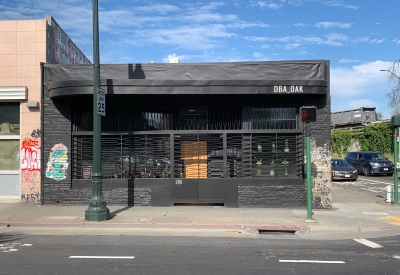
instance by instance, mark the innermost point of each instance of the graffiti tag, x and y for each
(57, 164)
(30, 155)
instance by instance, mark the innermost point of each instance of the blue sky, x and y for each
(359, 37)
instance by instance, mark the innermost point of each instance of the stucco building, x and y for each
(24, 45)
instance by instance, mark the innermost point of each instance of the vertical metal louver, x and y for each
(238, 155)
(123, 156)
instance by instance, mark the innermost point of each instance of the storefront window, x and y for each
(9, 136)
(270, 117)
(9, 114)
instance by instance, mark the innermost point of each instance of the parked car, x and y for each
(370, 163)
(341, 170)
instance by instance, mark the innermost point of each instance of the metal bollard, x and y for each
(389, 193)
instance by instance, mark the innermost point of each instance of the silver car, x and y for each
(341, 170)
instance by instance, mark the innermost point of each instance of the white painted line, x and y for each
(376, 213)
(102, 257)
(27, 244)
(396, 256)
(375, 181)
(313, 262)
(368, 243)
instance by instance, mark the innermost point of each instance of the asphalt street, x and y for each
(275, 255)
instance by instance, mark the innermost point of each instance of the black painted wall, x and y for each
(274, 196)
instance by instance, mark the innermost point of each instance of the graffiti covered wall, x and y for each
(321, 171)
(30, 167)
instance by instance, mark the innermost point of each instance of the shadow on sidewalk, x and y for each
(114, 213)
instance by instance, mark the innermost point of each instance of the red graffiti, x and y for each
(27, 143)
(30, 155)
(30, 177)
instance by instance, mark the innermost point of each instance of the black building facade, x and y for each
(202, 133)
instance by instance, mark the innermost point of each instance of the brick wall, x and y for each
(275, 196)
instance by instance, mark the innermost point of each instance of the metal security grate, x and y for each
(123, 156)
(277, 155)
(248, 155)
(225, 118)
(189, 118)
(151, 156)
(270, 117)
(238, 155)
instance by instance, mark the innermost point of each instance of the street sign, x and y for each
(101, 102)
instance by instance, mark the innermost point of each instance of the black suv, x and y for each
(370, 163)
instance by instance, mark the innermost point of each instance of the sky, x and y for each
(359, 37)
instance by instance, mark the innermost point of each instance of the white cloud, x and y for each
(327, 25)
(158, 8)
(357, 86)
(193, 37)
(341, 5)
(345, 60)
(264, 4)
(299, 25)
(257, 55)
(377, 41)
(180, 57)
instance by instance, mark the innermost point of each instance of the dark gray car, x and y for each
(341, 170)
(370, 163)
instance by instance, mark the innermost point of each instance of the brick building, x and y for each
(187, 133)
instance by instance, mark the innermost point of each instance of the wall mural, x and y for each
(58, 162)
(321, 170)
(30, 169)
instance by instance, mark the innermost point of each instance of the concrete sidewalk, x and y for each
(354, 215)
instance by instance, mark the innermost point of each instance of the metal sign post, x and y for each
(308, 114)
(97, 210)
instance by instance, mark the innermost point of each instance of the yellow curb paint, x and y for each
(393, 220)
(234, 231)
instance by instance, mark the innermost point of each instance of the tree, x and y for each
(378, 116)
(393, 95)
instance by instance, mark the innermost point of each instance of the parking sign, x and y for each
(101, 102)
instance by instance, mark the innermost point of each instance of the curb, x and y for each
(93, 225)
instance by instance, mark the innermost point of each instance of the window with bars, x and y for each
(248, 155)
(190, 118)
(123, 156)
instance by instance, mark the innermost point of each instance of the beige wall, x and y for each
(22, 48)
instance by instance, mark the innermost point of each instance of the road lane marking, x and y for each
(102, 257)
(368, 243)
(313, 262)
(375, 181)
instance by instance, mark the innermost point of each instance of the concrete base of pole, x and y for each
(311, 220)
(101, 213)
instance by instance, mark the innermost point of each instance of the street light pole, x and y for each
(97, 210)
(396, 158)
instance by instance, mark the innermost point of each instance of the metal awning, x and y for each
(13, 93)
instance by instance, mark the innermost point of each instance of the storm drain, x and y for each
(276, 232)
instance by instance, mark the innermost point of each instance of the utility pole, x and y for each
(97, 210)
(396, 153)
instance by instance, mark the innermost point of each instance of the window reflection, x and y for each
(9, 157)
(9, 118)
